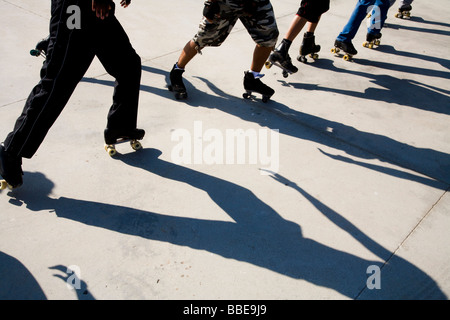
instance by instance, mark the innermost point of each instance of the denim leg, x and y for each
(358, 15)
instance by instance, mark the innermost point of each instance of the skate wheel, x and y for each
(111, 150)
(247, 95)
(136, 145)
(3, 185)
(315, 56)
(35, 53)
(335, 50)
(285, 74)
(347, 57)
(268, 64)
(377, 42)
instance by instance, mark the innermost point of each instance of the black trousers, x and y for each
(69, 55)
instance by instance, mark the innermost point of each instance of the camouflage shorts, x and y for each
(260, 24)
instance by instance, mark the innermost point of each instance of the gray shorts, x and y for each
(260, 23)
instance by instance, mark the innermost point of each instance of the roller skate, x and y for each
(372, 40)
(254, 84)
(347, 47)
(41, 48)
(308, 47)
(280, 58)
(176, 83)
(404, 12)
(113, 137)
(10, 170)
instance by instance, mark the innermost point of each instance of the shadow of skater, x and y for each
(16, 282)
(407, 282)
(258, 235)
(432, 163)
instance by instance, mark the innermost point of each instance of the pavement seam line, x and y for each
(22, 8)
(407, 237)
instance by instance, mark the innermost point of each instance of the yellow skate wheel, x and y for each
(111, 150)
(315, 56)
(347, 57)
(268, 64)
(136, 145)
(3, 185)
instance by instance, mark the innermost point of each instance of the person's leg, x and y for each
(262, 27)
(295, 28)
(63, 69)
(358, 15)
(213, 32)
(188, 53)
(121, 61)
(68, 58)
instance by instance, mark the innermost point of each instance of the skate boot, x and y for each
(280, 58)
(347, 47)
(176, 83)
(252, 84)
(372, 40)
(308, 47)
(113, 137)
(41, 48)
(404, 12)
(10, 170)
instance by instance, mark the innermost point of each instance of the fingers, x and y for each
(101, 9)
(125, 3)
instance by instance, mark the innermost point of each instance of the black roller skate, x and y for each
(252, 84)
(372, 40)
(10, 170)
(41, 48)
(176, 83)
(113, 137)
(347, 47)
(404, 12)
(308, 47)
(280, 58)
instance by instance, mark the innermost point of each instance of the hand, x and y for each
(125, 3)
(101, 8)
(211, 10)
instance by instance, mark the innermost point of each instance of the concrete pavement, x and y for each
(349, 201)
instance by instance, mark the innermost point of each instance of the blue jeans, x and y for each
(379, 14)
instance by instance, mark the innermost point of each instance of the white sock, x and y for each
(257, 75)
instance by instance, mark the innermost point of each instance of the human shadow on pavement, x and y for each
(17, 282)
(258, 235)
(418, 28)
(404, 92)
(432, 163)
(410, 54)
